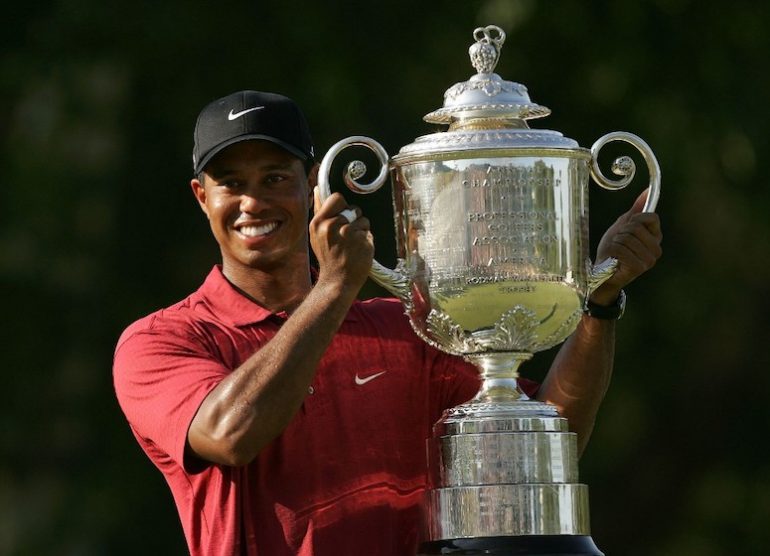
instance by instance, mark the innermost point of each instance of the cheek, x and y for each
(219, 207)
(304, 198)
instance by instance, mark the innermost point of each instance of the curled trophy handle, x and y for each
(395, 281)
(626, 168)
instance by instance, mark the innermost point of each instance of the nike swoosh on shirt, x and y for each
(361, 381)
(233, 115)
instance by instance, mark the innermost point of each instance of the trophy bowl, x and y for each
(491, 223)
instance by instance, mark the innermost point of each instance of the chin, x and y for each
(265, 262)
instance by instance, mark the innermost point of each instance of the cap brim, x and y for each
(249, 137)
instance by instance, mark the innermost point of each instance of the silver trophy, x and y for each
(491, 223)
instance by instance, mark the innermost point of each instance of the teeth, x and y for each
(254, 231)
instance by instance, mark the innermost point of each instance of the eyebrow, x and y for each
(223, 172)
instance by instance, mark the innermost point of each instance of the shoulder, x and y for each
(182, 320)
(169, 345)
(162, 319)
(192, 316)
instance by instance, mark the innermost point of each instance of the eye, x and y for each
(275, 178)
(231, 183)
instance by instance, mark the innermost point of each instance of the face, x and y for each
(257, 198)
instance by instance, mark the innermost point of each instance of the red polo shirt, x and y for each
(344, 478)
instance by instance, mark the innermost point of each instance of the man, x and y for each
(287, 417)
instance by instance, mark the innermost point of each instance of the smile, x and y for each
(256, 231)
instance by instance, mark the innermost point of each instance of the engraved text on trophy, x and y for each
(485, 236)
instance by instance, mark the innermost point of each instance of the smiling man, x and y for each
(286, 416)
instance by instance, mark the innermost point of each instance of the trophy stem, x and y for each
(499, 374)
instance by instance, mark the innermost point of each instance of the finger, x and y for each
(332, 206)
(650, 221)
(349, 214)
(630, 267)
(635, 210)
(360, 225)
(646, 224)
(316, 200)
(638, 205)
(643, 252)
(641, 231)
(647, 229)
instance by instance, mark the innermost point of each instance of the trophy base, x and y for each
(539, 545)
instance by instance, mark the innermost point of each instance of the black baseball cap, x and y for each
(249, 115)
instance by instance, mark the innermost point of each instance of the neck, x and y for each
(275, 289)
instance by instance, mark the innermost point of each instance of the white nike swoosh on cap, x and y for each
(233, 115)
(361, 381)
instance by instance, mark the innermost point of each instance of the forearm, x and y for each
(258, 399)
(580, 375)
(581, 372)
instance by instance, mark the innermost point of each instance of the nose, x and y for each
(248, 203)
(251, 200)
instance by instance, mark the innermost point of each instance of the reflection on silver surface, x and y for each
(518, 458)
(483, 459)
(498, 510)
(491, 222)
(496, 245)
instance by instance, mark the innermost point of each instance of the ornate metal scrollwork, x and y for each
(626, 168)
(515, 330)
(485, 52)
(449, 335)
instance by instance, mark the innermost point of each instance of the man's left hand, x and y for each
(634, 240)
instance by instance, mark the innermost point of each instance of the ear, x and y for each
(312, 181)
(199, 191)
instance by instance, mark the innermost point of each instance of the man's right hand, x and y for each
(257, 400)
(344, 249)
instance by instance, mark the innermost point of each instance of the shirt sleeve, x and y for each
(160, 381)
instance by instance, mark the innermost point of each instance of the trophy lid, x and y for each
(486, 111)
(486, 94)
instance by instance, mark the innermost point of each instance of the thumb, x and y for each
(316, 200)
(638, 205)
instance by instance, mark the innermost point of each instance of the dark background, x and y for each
(98, 227)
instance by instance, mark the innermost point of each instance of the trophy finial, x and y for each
(486, 97)
(485, 52)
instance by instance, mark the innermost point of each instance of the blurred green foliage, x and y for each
(97, 228)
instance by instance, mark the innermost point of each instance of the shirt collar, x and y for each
(233, 306)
